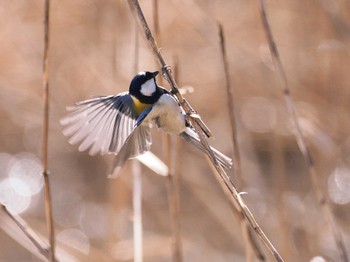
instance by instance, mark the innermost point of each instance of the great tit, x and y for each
(120, 124)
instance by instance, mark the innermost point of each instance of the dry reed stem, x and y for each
(137, 182)
(203, 132)
(167, 73)
(137, 207)
(174, 199)
(30, 234)
(321, 197)
(250, 243)
(48, 202)
(172, 181)
(172, 153)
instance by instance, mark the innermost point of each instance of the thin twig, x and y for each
(176, 175)
(174, 199)
(249, 239)
(236, 154)
(48, 202)
(203, 132)
(172, 150)
(321, 197)
(137, 206)
(137, 181)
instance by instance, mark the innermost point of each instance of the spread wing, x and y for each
(105, 124)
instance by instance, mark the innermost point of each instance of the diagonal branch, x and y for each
(167, 73)
(321, 197)
(203, 132)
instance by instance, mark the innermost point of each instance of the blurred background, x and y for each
(92, 45)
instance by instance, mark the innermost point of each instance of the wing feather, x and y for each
(104, 124)
(137, 143)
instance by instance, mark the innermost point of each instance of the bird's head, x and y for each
(144, 84)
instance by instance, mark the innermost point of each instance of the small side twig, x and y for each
(48, 202)
(203, 132)
(250, 242)
(321, 197)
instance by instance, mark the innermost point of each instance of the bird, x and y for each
(120, 124)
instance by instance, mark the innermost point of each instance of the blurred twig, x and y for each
(203, 132)
(30, 234)
(137, 182)
(137, 206)
(172, 179)
(172, 150)
(48, 203)
(250, 242)
(174, 199)
(321, 197)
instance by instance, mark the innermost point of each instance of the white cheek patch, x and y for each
(148, 88)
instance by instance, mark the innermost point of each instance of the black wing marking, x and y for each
(103, 124)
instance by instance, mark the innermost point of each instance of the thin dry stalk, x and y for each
(156, 21)
(174, 199)
(30, 234)
(48, 202)
(137, 206)
(316, 185)
(137, 183)
(203, 132)
(167, 73)
(172, 179)
(172, 154)
(251, 245)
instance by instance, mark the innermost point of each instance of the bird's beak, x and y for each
(154, 74)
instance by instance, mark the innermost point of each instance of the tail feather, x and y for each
(190, 136)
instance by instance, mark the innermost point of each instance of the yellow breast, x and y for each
(139, 106)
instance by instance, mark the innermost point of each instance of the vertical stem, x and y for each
(48, 202)
(174, 199)
(156, 21)
(172, 179)
(137, 182)
(137, 206)
(175, 174)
